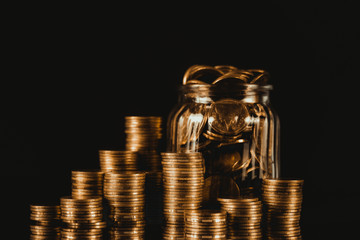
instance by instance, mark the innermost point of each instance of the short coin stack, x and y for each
(87, 184)
(125, 193)
(116, 160)
(244, 217)
(82, 218)
(205, 224)
(183, 180)
(142, 132)
(282, 199)
(45, 220)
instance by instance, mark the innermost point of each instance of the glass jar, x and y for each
(236, 129)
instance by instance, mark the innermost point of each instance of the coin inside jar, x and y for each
(228, 116)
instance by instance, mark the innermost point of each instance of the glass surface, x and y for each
(233, 125)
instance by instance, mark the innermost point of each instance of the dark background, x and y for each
(71, 74)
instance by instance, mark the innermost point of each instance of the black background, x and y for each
(71, 74)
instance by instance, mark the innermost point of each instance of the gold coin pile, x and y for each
(205, 224)
(204, 74)
(142, 136)
(87, 184)
(125, 193)
(282, 199)
(183, 180)
(82, 218)
(244, 217)
(45, 220)
(83, 234)
(116, 233)
(142, 132)
(116, 160)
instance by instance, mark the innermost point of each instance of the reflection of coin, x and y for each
(220, 186)
(228, 116)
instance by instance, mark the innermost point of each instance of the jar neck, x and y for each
(207, 93)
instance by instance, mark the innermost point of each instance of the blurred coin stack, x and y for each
(205, 224)
(282, 199)
(45, 222)
(143, 134)
(82, 218)
(116, 160)
(183, 180)
(244, 217)
(125, 193)
(87, 184)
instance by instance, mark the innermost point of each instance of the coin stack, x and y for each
(183, 180)
(77, 233)
(125, 193)
(116, 160)
(142, 133)
(282, 199)
(205, 224)
(142, 136)
(87, 184)
(244, 217)
(82, 218)
(45, 222)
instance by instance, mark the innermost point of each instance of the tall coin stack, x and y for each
(116, 160)
(87, 184)
(143, 134)
(125, 193)
(282, 199)
(82, 218)
(244, 217)
(183, 180)
(205, 224)
(45, 222)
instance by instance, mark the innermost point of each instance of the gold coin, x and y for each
(229, 116)
(206, 213)
(70, 200)
(44, 208)
(195, 72)
(125, 175)
(177, 154)
(225, 68)
(283, 181)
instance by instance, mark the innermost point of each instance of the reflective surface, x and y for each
(225, 113)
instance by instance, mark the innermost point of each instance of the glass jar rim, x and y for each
(240, 88)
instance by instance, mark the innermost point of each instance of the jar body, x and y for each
(237, 131)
